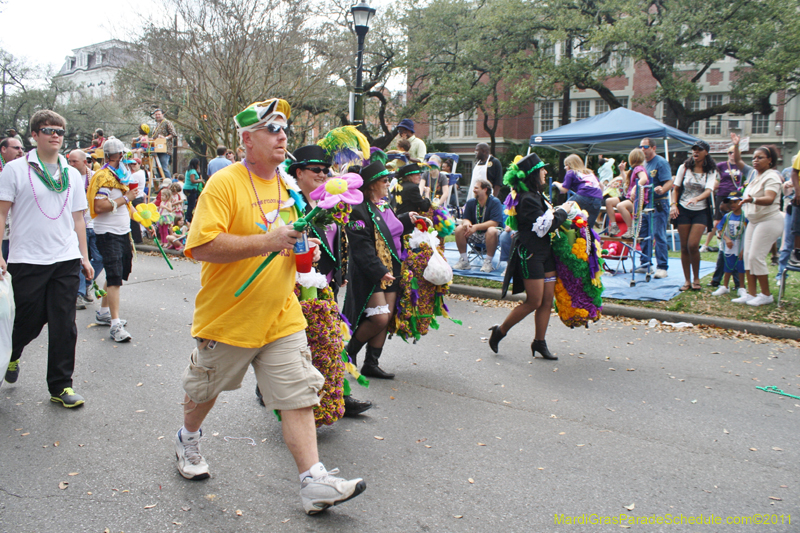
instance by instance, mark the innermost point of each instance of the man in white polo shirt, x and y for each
(48, 247)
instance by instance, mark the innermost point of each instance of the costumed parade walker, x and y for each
(576, 248)
(425, 278)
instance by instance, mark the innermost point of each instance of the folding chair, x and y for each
(633, 246)
(783, 281)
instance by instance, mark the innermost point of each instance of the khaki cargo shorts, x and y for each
(283, 368)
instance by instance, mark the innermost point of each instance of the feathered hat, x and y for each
(520, 170)
(309, 155)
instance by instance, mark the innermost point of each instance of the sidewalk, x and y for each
(641, 313)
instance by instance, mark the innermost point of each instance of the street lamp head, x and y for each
(362, 14)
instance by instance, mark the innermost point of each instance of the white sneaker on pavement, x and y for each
(321, 489)
(463, 264)
(119, 334)
(761, 299)
(744, 298)
(191, 464)
(720, 291)
(104, 319)
(661, 274)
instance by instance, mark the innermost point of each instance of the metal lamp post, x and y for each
(362, 13)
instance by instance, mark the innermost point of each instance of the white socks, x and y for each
(318, 470)
(114, 322)
(464, 257)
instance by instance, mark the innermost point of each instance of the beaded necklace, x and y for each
(479, 212)
(36, 198)
(2, 162)
(258, 201)
(60, 185)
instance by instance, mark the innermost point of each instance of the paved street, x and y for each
(662, 422)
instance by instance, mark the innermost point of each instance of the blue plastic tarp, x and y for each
(616, 131)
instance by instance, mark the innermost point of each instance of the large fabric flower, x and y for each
(146, 214)
(341, 189)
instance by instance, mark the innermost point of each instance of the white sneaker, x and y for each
(661, 274)
(703, 249)
(191, 464)
(743, 299)
(119, 334)
(741, 292)
(722, 290)
(320, 490)
(104, 319)
(487, 267)
(761, 299)
(463, 264)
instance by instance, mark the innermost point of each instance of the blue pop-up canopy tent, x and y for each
(615, 131)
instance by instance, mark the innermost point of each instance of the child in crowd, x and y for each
(177, 234)
(178, 199)
(731, 231)
(625, 206)
(166, 213)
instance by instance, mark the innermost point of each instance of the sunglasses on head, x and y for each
(49, 131)
(274, 127)
(317, 170)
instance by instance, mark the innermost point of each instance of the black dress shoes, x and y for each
(353, 407)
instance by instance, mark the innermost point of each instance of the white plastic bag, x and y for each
(7, 311)
(438, 270)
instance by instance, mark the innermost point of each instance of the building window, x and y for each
(714, 124)
(546, 119)
(760, 125)
(600, 106)
(623, 101)
(469, 125)
(454, 127)
(693, 105)
(582, 109)
(465, 168)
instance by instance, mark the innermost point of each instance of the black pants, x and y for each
(191, 203)
(45, 294)
(136, 229)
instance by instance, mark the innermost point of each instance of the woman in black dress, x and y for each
(532, 265)
(375, 248)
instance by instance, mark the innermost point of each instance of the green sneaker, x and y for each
(12, 374)
(68, 398)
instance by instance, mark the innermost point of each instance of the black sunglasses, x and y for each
(273, 127)
(317, 170)
(49, 131)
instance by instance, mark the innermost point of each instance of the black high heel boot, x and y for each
(353, 347)
(371, 368)
(541, 347)
(496, 337)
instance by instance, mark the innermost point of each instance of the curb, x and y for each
(641, 313)
(148, 248)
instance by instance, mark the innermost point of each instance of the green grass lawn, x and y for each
(702, 303)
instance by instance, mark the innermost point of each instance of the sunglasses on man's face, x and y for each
(49, 131)
(317, 170)
(274, 127)
(644, 146)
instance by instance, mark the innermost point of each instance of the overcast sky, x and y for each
(60, 26)
(70, 25)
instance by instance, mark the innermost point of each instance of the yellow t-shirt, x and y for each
(268, 310)
(796, 162)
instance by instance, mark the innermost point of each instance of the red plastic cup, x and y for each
(304, 261)
(133, 184)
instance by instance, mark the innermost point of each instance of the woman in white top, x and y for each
(694, 184)
(760, 204)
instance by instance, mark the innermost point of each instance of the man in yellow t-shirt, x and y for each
(244, 214)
